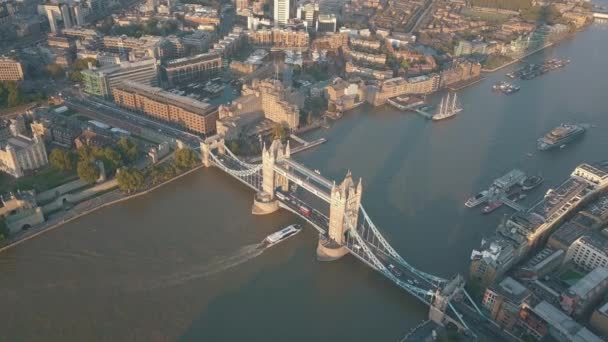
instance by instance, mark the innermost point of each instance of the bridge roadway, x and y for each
(320, 221)
(364, 241)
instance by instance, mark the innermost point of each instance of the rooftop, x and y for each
(556, 198)
(112, 68)
(542, 258)
(193, 59)
(596, 240)
(567, 233)
(192, 105)
(588, 282)
(495, 252)
(565, 325)
(20, 142)
(512, 289)
(603, 309)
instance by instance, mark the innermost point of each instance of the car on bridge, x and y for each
(394, 270)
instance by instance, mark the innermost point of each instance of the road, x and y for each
(421, 15)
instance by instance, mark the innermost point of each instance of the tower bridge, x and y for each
(346, 228)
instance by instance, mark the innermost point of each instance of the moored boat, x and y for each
(532, 182)
(476, 200)
(492, 206)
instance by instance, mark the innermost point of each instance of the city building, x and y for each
(21, 153)
(589, 251)
(275, 106)
(89, 137)
(231, 43)
(468, 47)
(540, 264)
(58, 129)
(195, 68)
(64, 15)
(241, 117)
(586, 292)
(283, 11)
(566, 235)
(20, 211)
(198, 41)
(356, 70)
(378, 94)
(80, 33)
(308, 13)
(599, 320)
(494, 258)
(557, 324)
(134, 48)
(279, 37)
(10, 69)
(503, 301)
(103, 58)
(100, 81)
(193, 115)
(327, 23)
(343, 95)
(460, 71)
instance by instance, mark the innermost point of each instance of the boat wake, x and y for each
(217, 265)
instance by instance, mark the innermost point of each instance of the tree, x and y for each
(55, 70)
(3, 229)
(15, 97)
(280, 132)
(129, 179)
(233, 145)
(61, 159)
(127, 149)
(185, 159)
(87, 171)
(112, 159)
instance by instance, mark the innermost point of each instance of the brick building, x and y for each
(195, 116)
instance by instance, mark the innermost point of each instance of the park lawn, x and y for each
(41, 181)
(570, 276)
(496, 61)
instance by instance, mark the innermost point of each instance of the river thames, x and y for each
(181, 263)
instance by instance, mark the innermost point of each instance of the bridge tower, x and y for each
(264, 201)
(343, 213)
(208, 145)
(442, 299)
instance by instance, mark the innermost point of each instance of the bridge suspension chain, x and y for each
(240, 173)
(245, 164)
(424, 295)
(396, 255)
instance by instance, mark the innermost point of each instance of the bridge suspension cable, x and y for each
(245, 164)
(249, 176)
(391, 251)
(424, 295)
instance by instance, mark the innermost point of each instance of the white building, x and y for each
(70, 14)
(308, 12)
(283, 11)
(21, 153)
(589, 252)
